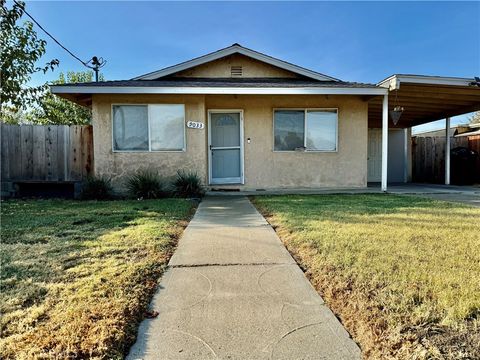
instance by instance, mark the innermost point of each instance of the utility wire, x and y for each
(51, 36)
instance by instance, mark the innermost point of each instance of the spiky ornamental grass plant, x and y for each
(96, 188)
(146, 184)
(188, 184)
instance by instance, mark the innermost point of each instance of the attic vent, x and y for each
(236, 71)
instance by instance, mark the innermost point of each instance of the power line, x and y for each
(46, 32)
(96, 62)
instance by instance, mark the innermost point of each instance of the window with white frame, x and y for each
(305, 129)
(158, 127)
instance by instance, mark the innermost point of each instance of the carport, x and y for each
(417, 99)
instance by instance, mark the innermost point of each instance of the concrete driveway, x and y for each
(232, 291)
(469, 199)
(463, 194)
(469, 195)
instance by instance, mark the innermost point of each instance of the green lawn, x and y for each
(77, 277)
(402, 273)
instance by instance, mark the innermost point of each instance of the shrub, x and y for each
(96, 188)
(188, 184)
(146, 184)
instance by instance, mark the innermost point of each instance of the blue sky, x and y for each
(354, 41)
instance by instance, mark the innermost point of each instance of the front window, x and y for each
(289, 129)
(167, 127)
(148, 127)
(308, 129)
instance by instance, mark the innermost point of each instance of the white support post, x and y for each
(406, 147)
(447, 151)
(384, 143)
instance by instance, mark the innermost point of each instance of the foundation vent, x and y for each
(236, 71)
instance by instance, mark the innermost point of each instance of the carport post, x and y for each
(407, 138)
(447, 151)
(385, 143)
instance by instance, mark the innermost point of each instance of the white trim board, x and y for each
(393, 82)
(217, 90)
(235, 49)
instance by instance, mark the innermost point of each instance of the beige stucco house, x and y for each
(245, 120)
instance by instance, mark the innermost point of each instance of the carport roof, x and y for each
(426, 98)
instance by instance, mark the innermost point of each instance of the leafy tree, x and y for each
(475, 118)
(55, 110)
(20, 50)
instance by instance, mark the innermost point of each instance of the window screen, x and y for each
(148, 127)
(130, 127)
(289, 130)
(310, 130)
(322, 130)
(167, 127)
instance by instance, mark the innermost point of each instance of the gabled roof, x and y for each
(235, 49)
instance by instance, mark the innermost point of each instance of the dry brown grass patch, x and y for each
(77, 277)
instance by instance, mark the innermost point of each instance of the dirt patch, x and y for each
(454, 343)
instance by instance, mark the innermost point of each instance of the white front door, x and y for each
(374, 159)
(225, 144)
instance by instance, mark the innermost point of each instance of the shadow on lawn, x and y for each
(47, 243)
(58, 235)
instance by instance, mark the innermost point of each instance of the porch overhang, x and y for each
(423, 99)
(426, 98)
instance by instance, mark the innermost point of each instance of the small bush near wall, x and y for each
(96, 188)
(146, 184)
(188, 184)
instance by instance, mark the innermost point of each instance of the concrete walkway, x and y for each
(232, 291)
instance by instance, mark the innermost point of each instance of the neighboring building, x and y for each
(265, 123)
(472, 132)
(454, 130)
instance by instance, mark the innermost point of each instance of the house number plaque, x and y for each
(195, 125)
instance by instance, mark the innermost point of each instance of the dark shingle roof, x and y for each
(227, 82)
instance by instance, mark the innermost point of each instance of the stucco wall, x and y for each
(267, 169)
(222, 68)
(264, 169)
(118, 165)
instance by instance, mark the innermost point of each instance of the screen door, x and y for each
(225, 146)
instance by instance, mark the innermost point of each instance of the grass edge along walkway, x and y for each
(401, 272)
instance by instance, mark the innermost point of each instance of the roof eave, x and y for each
(217, 90)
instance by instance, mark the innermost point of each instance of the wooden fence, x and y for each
(474, 143)
(53, 153)
(428, 157)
